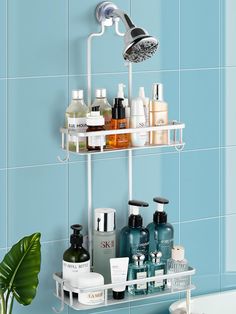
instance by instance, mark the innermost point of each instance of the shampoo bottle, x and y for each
(104, 241)
(158, 116)
(161, 232)
(134, 238)
(76, 259)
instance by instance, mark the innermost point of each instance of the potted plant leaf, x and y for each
(19, 273)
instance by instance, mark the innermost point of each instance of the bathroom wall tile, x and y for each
(37, 201)
(152, 308)
(228, 41)
(51, 259)
(2, 254)
(228, 108)
(170, 81)
(205, 284)
(199, 108)
(228, 254)
(110, 187)
(37, 37)
(201, 239)
(157, 175)
(35, 114)
(199, 184)
(3, 208)
(3, 38)
(228, 180)
(199, 34)
(106, 50)
(3, 109)
(163, 23)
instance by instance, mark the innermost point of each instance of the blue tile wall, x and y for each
(43, 57)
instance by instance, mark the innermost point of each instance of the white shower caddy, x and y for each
(175, 139)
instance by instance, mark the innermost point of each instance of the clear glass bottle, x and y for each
(161, 232)
(75, 119)
(102, 103)
(138, 270)
(134, 238)
(155, 268)
(177, 263)
(104, 241)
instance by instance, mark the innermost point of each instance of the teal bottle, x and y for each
(160, 231)
(134, 238)
(156, 268)
(138, 270)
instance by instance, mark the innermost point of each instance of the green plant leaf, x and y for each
(20, 267)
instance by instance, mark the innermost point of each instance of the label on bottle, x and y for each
(107, 244)
(141, 275)
(159, 283)
(71, 271)
(96, 141)
(79, 124)
(140, 248)
(165, 246)
(160, 137)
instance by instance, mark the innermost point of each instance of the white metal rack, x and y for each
(72, 301)
(175, 139)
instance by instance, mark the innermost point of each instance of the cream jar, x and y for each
(90, 280)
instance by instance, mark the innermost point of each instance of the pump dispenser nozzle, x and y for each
(160, 215)
(135, 219)
(76, 237)
(120, 93)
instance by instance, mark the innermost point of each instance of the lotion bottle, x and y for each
(76, 259)
(137, 120)
(121, 94)
(145, 101)
(158, 116)
(104, 241)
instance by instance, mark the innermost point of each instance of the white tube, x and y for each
(119, 270)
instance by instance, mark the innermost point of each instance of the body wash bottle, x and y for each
(134, 238)
(76, 119)
(76, 259)
(156, 267)
(104, 241)
(158, 116)
(161, 232)
(138, 270)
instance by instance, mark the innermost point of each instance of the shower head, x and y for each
(139, 46)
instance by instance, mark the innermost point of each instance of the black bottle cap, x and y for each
(96, 108)
(136, 220)
(76, 237)
(160, 217)
(138, 203)
(161, 200)
(118, 295)
(118, 111)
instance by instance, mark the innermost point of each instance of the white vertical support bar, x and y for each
(130, 83)
(90, 214)
(181, 136)
(188, 301)
(63, 140)
(130, 174)
(106, 296)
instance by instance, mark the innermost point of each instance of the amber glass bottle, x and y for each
(118, 122)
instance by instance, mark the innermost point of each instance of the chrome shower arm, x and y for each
(123, 16)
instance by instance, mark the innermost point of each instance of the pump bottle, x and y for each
(121, 94)
(161, 232)
(134, 238)
(76, 259)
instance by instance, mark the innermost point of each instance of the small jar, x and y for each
(95, 122)
(91, 297)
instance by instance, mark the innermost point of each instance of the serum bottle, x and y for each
(104, 241)
(156, 267)
(138, 270)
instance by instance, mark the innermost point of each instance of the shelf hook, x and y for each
(67, 158)
(179, 147)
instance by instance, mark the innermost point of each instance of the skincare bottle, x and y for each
(177, 263)
(161, 232)
(134, 238)
(76, 119)
(118, 122)
(145, 101)
(137, 120)
(121, 94)
(102, 103)
(76, 259)
(158, 116)
(95, 122)
(156, 267)
(104, 241)
(138, 270)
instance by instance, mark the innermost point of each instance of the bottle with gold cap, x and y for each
(158, 115)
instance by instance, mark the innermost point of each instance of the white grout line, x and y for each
(6, 138)
(179, 74)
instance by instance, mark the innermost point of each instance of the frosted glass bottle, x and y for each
(104, 241)
(75, 119)
(138, 270)
(102, 103)
(177, 263)
(156, 268)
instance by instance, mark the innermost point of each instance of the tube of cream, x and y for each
(119, 270)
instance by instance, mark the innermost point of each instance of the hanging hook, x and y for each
(179, 147)
(67, 158)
